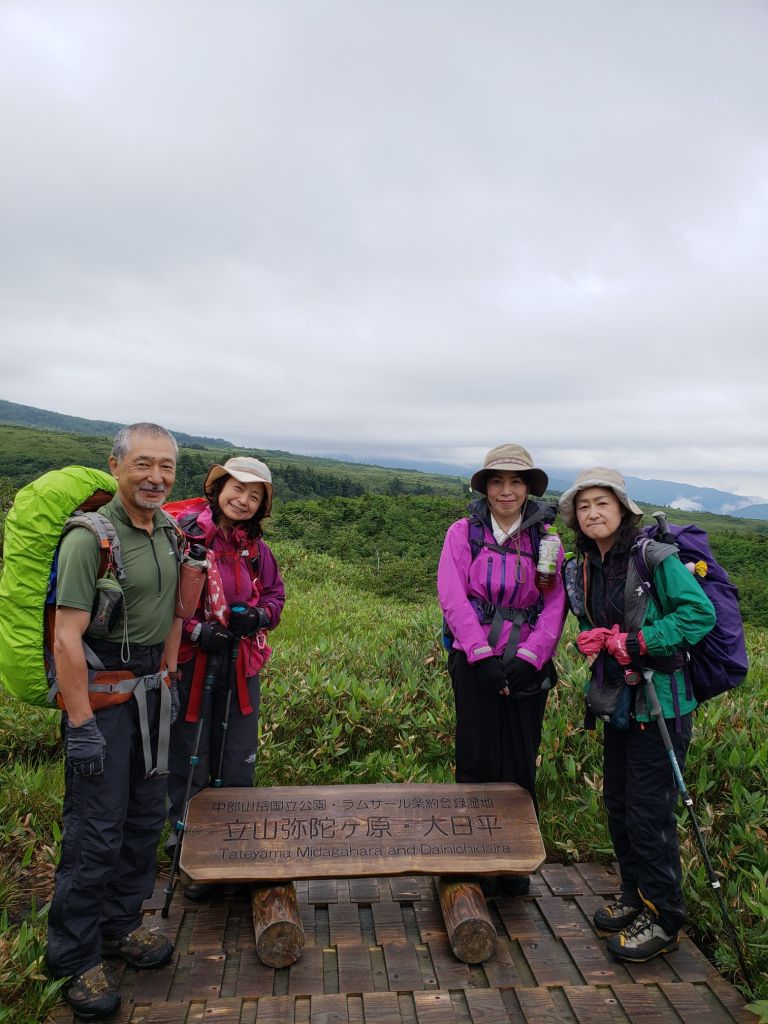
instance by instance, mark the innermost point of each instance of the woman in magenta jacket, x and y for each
(503, 629)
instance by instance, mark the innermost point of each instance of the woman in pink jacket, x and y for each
(503, 629)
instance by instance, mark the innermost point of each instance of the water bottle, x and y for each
(546, 567)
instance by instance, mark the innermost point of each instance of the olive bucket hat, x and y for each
(597, 476)
(515, 459)
(247, 471)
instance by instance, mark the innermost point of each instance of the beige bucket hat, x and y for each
(516, 459)
(597, 476)
(247, 471)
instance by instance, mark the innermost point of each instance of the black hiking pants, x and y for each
(640, 796)
(240, 741)
(497, 738)
(112, 825)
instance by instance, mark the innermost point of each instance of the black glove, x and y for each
(247, 621)
(490, 674)
(522, 678)
(85, 748)
(214, 637)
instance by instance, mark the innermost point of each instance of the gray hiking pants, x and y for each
(240, 741)
(112, 825)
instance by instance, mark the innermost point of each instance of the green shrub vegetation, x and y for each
(357, 691)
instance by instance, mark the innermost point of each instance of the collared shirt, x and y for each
(500, 535)
(151, 574)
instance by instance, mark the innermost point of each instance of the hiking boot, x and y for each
(642, 940)
(140, 948)
(617, 915)
(196, 891)
(92, 994)
(514, 885)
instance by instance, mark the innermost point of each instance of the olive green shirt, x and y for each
(151, 573)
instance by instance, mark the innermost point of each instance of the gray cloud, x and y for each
(406, 231)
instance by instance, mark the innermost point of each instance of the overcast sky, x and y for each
(395, 229)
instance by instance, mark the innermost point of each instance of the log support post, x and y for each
(468, 923)
(277, 923)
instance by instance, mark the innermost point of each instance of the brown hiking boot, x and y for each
(92, 994)
(140, 948)
(616, 915)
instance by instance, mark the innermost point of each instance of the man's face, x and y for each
(146, 474)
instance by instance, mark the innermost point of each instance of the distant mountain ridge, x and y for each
(685, 497)
(28, 416)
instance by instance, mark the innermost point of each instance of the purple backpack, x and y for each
(718, 662)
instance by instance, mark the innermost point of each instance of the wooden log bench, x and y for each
(270, 837)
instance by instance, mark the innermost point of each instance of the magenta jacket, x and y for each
(510, 585)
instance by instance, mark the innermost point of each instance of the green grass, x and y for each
(357, 692)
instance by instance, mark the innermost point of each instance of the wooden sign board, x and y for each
(280, 833)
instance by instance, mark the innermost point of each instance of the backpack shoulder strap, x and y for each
(475, 536)
(176, 535)
(110, 552)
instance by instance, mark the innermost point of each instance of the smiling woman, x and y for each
(225, 637)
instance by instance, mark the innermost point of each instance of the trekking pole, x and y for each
(211, 671)
(658, 716)
(233, 652)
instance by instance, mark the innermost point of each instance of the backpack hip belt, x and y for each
(518, 617)
(108, 688)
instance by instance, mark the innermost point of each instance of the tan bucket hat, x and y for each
(247, 471)
(516, 459)
(598, 476)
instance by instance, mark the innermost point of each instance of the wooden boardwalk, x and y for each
(377, 953)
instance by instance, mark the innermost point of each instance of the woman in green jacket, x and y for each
(623, 627)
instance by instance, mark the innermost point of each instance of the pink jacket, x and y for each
(505, 580)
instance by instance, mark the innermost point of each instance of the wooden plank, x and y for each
(564, 917)
(208, 929)
(403, 971)
(486, 1006)
(307, 914)
(306, 975)
(549, 962)
(388, 922)
(344, 924)
(355, 974)
(689, 963)
(596, 965)
(434, 1008)
(539, 1008)
(381, 1008)
(522, 920)
(593, 1005)
(732, 1000)
(322, 890)
(429, 919)
(205, 974)
(599, 879)
(165, 1013)
(328, 1009)
(501, 970)
(253, 977)
(407, 887)
(653, 972)
(692, 1007)
(562, 880)
(223, 1011)
(275, 1010)
(363, 890)
(286, 833)
(153, 986)
(450, 972)
(645, 1004)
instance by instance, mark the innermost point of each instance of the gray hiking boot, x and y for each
(92, 995)
(140, 948)
(616, 915)
(642, 940)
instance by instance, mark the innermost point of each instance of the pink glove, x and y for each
(616, 644)
(592, 641)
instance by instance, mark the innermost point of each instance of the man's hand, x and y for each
(214, 637)
(491, 675)
(85, 748)
(247, 621)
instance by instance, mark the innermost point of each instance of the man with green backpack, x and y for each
(105, 656)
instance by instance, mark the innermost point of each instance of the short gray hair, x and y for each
(122, 442)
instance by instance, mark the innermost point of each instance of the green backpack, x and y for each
(33, 529)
